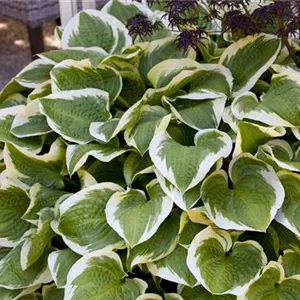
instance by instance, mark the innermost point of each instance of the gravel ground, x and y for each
(14, 47)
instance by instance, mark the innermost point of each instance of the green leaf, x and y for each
(37, 240)
(289, 214)
(186, 166)
(76, 53)
(13, 277)
(244, 206)
(141, 133)
(197, 113)
(66, 108)
(42, 90)
(174, 268)
(282, 155)
(158, 51)
(13, 204)
(7, 117)
(77, 155)
(222, 266)
(30, 122)
(76, 75)
(272, 284)
(60, 263)
(135, 218)
(34, 74)
(125, 10)
(200, 293)
(40, 197)
(290, 262)
(53, 293)
(261, 50)
(82, 222)
(91, 28)
(250, 136)
(100, 275)
(276, 107)
(13, 100)
(160, 245)
(188, 233)
(136, 165)
(26, 168)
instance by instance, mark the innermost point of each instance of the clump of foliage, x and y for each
(137, 170)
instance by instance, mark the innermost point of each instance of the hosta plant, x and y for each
(136, 170)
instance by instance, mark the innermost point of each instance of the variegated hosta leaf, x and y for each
(276, 107)
(76, 53)
(290, 262)
(82, 222)
(52, 293)
(199, 215)
(13, 204)
(184, 201)
(108, 172)
(222, 266)
(149, 297)
(140, 134)
(250, 136)
(188, 233)
(6, 294)
(289, 214)
(135, 218)
(13, 100)
(105, 131)
(10, 88)
(42, 90)
(91, 28)
(29, 121)
(60, 263)
(77, 155)
(13, 277)
(34, 74)
(197, 113)
(161, 244)
(100, 275)
(261, 50)
(7, 116)
(159, 50)
(135, 165)
(123, 10)
(76, 75)
(133, 87)
(40, 197)
(174, 268)
(273, 284)
(67, 108)
(200, 293)
(38, 239)
(86, 179)
(173, 297)
(230, 119)
(186, 166)
(281, 153)
(244, 206)
(26, 168)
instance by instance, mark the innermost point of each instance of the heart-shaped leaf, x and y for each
(186, 166)
(66, 108)
(135, 218)
(273, 284)
(82, 222)
(221, 266)
(80, 31)
(100, 275)
(244, 206)
(200, 293)
(290, 260)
